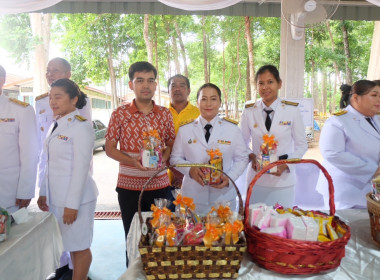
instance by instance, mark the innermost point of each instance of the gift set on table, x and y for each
(293, 241)
(182, 245)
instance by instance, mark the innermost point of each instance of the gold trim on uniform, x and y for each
(249, 105)
(378, 113)
(231, 121)
(14, 100)
(41, 96)
(80, 118)
(289, 103)
(186, 122)
(339, 113)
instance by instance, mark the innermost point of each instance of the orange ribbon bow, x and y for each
(157, 213)
(184, 202)
(213, 233)
(233, 230)
(168, 232)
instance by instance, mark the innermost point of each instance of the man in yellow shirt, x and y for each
(182, 112)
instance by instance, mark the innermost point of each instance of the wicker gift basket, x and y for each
(190, 262)
(374, 217)
(288, 256)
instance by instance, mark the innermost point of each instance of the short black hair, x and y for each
(2, 72)
(64, 63)
(179, 76)
(141, 66)
(210, 85)
(271, 69)
(72, 90)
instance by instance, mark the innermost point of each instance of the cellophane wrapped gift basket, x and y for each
(182, 245)
(318, 239)
(5, 224)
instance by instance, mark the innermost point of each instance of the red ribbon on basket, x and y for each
(184, 202)
(157, 213)
(168, 232)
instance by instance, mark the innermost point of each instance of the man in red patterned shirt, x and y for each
(126, 127)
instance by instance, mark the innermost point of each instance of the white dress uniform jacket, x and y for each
(287, 128)
(350, 147)
(190, 147)
(45, 118)
(18, 152)
(68, 154)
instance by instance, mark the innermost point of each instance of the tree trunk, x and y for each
(205, 64)
(224, 81)
(374, 60)
(174, 45)
(324, 91)
(148, 43)
(337, 72)
(40, 24)
(248, 83)
(251, 61)
(347, 54)
(156, 54)
(314, 86)
(182, 45)
(111, 69)
(236, 101)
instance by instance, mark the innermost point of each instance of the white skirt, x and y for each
(78, 235)
(271, 195)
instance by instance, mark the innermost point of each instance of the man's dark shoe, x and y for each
(58, 273)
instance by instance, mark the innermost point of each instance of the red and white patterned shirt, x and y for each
(126, 126)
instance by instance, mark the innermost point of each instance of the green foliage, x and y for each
(16, 36)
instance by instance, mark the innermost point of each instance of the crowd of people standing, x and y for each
(59, 137)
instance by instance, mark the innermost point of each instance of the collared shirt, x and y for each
(204, 122)
(272, 107)
(190, 112)
(126, 126)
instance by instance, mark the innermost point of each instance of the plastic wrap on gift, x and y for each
(268, 152)
(151, 152)
(5, 224)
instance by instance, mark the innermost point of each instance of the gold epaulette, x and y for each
(339, 113)
(14, 100)
(231, 121)
(41, 96)
(378, 113)
(82, 119)
(249, 105)
(186, 122)
(289, 103)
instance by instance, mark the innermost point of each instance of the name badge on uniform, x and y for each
(7, 120)
(225, 142)
(285, 122)
(61, 137)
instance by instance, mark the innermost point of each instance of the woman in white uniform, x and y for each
(191, 146)
(69, 191)
(284, 121)
(350, 146)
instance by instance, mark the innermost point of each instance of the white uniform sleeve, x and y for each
(333, 149)
(82, 151)
(240, 156)
(178, 156)
(299, 136)
(244, 126)
(29, 148)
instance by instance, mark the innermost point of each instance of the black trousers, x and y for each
(128, 202)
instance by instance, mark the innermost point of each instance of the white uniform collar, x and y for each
(204, 122)
(67, 118)
(273, 106)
